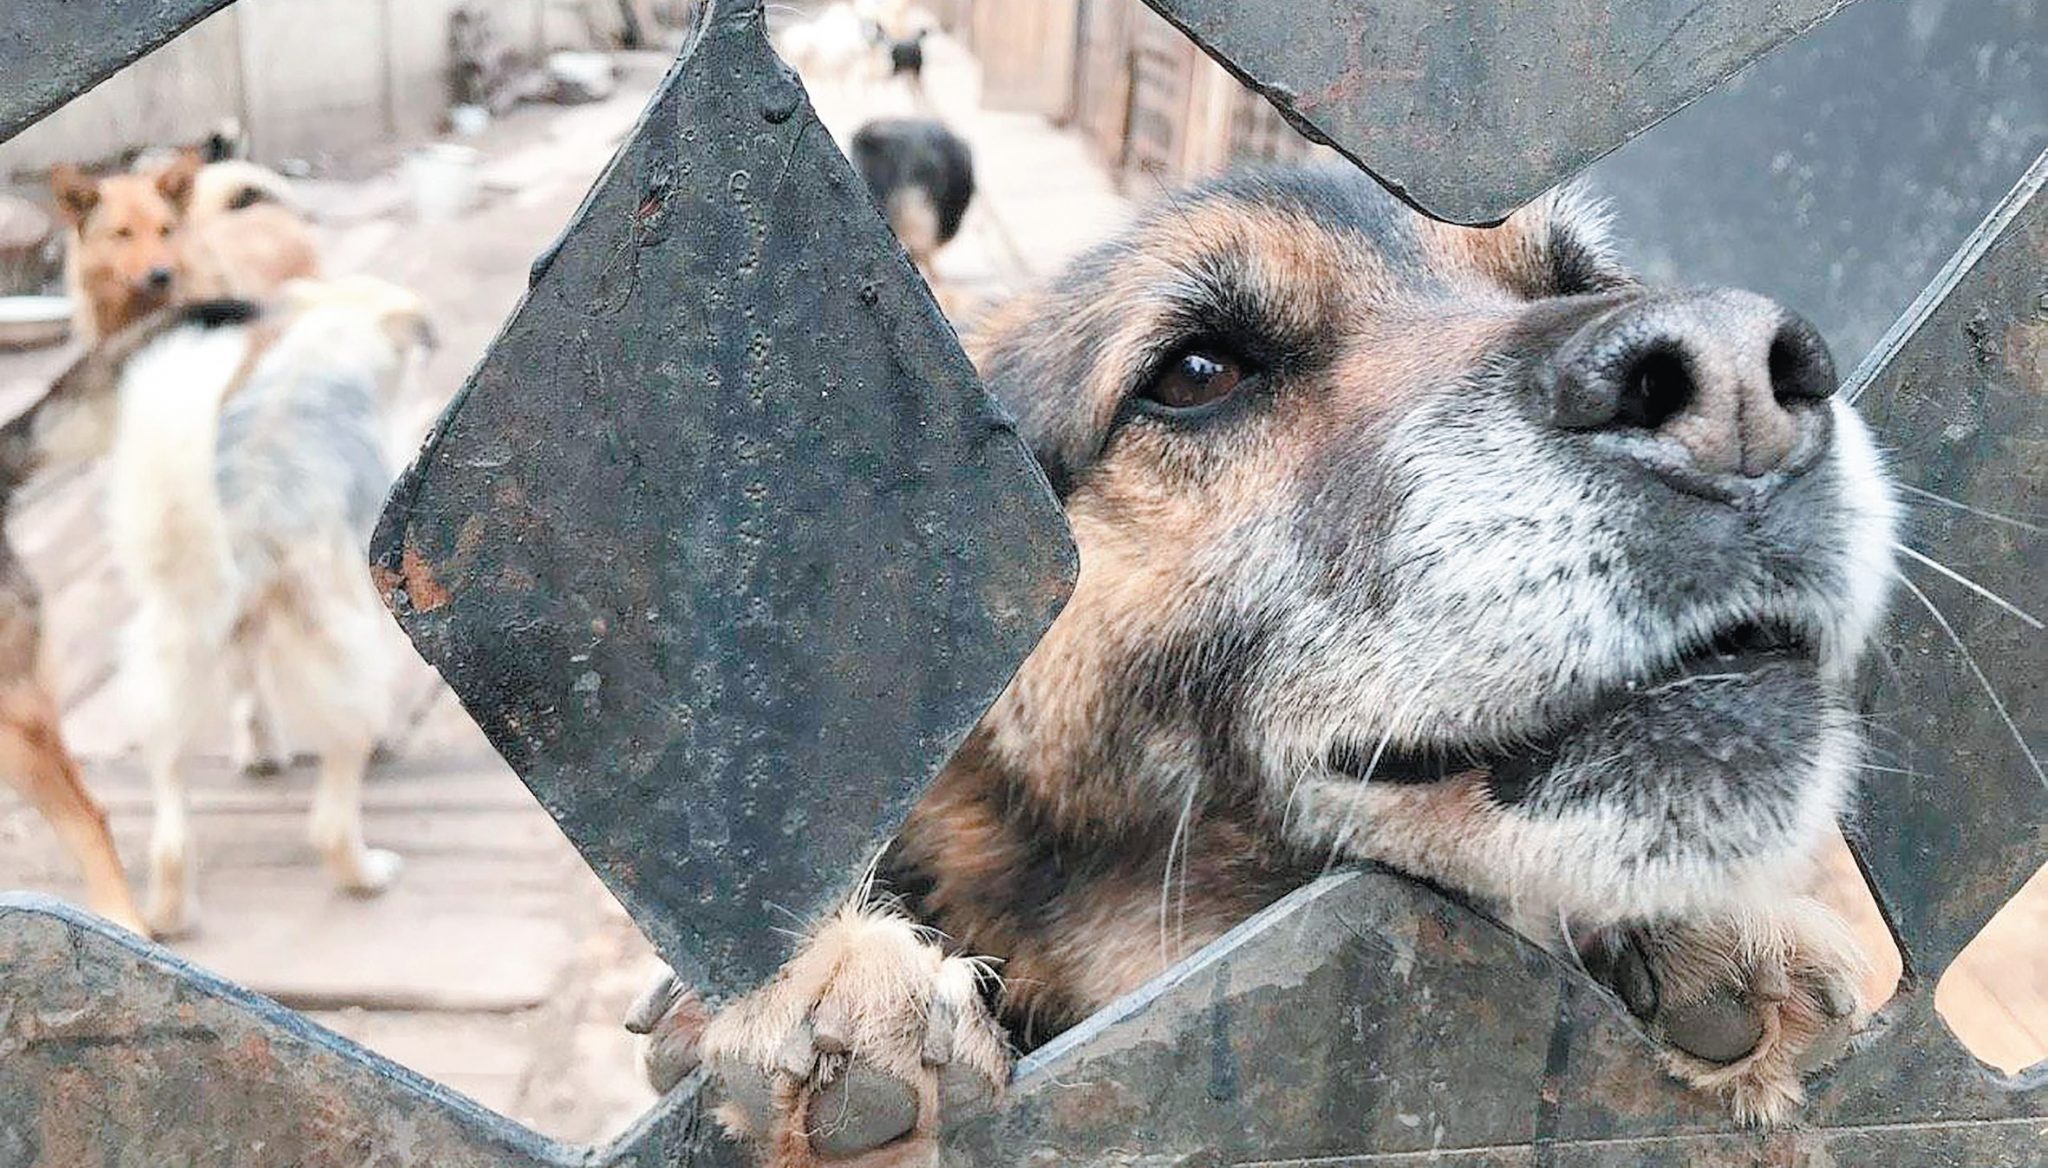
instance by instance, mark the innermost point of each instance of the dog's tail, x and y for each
(166, 524)
(232, 185)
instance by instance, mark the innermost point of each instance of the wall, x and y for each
(311, 79)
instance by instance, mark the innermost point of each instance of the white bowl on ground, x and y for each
(31, 322)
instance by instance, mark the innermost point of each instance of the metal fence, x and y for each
(725, 615)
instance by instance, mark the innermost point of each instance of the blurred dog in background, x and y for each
(921, 175)
(247, 467)
(176, 228)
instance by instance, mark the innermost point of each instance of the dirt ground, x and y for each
(499, 965)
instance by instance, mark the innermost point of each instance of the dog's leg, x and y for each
(1745, 1004)
(168, 689)
(173, 909)
(336, 828)
(258, 748)
(850, 1056)
(32, 753)
(339, 666)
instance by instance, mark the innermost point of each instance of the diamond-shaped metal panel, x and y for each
(1471, 108)
(724, 546)
(53, 50)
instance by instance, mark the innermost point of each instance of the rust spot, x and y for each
(426, 592)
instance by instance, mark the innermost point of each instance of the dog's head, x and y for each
(1364, 498)
(123, 230)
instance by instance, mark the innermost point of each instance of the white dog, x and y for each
(247, 468)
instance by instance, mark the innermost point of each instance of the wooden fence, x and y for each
(1156, 107)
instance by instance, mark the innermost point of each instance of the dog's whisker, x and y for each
(2027, 618)
(1173, 847)
(1990, 691)
(1981, 513)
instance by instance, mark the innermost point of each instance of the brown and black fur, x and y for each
(1457, 576)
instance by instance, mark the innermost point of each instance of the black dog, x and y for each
(922, 177)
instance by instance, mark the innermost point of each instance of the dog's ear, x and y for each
(174, 182)
(77, 192)
(409, 328)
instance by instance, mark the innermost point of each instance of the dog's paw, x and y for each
(170, 913)
(171, 910)
(260, 766)
(1745, 1006)
(370, 872)
(855, 1049)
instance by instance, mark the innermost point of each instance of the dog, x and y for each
(921, 175)
(246, 466)
(181, 229)
(58, 429)
(860, 42)
(1458, 550)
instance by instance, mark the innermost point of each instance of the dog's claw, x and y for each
(671, 1017)
(653, 1003)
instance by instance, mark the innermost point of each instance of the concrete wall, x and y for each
(309, 79)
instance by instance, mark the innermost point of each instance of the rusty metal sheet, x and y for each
(724, 546)
(114, 1052)
(1958, 814)
(53, 50)
(1469, 109)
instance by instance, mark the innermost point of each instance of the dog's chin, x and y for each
(1697, 786)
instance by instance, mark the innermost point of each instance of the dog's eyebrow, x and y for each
(1578, 265)
(1221, 293)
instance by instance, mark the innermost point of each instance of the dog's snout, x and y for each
(158, 279)
(1727, 383)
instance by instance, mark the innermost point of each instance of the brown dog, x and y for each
(1458, 550)
(175, 232)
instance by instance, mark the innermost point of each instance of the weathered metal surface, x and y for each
(1470, 109)
(115, 1053)
(1368, 1020)
(724, 546)
(53, 50)
(1839, 173)
(1959, 395)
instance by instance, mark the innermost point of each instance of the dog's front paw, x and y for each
(1745, 1006)
(855, 1049)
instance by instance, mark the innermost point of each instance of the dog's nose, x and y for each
(1726, 383)
(158, 279)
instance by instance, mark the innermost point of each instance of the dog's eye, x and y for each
(1201, 374)
(124, 233)
(164, 232)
